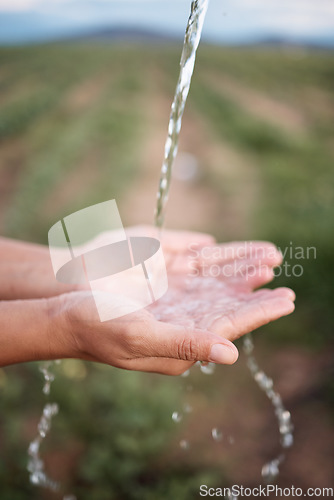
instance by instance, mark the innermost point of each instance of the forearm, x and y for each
(26, 272)
(32, 330)
(16, 251)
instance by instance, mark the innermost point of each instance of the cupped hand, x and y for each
(210, 302)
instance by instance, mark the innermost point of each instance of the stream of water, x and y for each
(270, 470)
(36, 466)
(187, 63)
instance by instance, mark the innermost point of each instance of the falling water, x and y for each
(36, 466)
(187, 63)
(270, 470)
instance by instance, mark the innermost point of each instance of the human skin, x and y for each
(42, 319)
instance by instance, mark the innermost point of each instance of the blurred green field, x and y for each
(80, 124)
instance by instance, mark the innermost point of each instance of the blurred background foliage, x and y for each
(82, 123)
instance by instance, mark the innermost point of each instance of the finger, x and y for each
(163, 366)
(282, 292)
(245, 275)
(250, 279)
(257, 310)
(232, 259)
(229, 252)
(163, 340)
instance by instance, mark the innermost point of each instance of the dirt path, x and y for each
(87, 92)
(193, 204)
(264, 107)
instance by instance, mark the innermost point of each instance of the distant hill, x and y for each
(121, 34)
(133, 34)
(324, 42)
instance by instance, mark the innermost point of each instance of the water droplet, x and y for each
(252, 365)
(268, 383)
(259, 377)
(43, 426)
(231, 440)
(277, 400)
(287, 440)
(176, 416)
(34, 447)
(270, 471)
(286, 416)
(270, 394)
(285, 428)
(47, 412)
(163, 183)
(185, 374)
(285, 424)
(208, 369)
(184, 444)
(34, 478)
(248, 345)
(54, 409)
(217, 434)
(187, 408)
(38, 465)
(46, 388)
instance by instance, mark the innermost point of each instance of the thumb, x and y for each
(171, 341)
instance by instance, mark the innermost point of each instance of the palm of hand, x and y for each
(210, 294)
(214, 289)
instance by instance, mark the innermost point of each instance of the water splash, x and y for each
(49, 376)
(207, 368)
(177, 416)
(184, 444)
(36, 466)
(187, 408)
(217, 434)
(187, 63)
(270, 470)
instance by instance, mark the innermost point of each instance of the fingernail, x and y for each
(222, 354)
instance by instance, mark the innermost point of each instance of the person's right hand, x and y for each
(197, 319)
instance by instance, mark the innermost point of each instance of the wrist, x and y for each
(61, 335)
(32, 330)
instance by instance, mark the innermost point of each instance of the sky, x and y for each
(227, 20)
